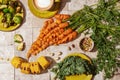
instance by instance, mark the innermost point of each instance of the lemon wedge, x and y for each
(79, 77)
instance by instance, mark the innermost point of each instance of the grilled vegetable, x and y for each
(53, 34)
(6, 25)
(35, 68)
(5, 1)
(21, 46)
(13, 14)
(5, 10)
(11, 9)
(25, 68)
(17, 19)
(3, 6)
(17, 61)
(18, 38)
(9, 17)
(44, 63)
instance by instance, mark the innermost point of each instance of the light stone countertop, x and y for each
(30, 30)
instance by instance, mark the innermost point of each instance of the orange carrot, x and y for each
(68, 38)
(53, 33)
(62, 16)
(64, 25)
(65, 33)
(59, 21)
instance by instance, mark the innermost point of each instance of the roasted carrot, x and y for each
(68, 38)
(46, 23)
(62, 16)
(65, 33)
(64, 25)
(59, 21)
(54, 32)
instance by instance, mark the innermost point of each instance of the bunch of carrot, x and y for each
(54, 32)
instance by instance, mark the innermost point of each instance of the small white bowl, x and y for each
(86, 44)
(44, 6)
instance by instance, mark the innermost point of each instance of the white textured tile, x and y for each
(36, 32)
(76, 4)
(23, 77)
(6, 52)
(116, 77)
(6, 76)
(91, 2)
(6, 38)
(44, 76)
(28, 20)
(37, 22)
(64, 12)
(99, 76)
(23, 53)
(6, 68)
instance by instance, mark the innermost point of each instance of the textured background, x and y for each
(30, 30)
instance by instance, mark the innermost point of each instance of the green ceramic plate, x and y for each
(43, 14)
(11, 28)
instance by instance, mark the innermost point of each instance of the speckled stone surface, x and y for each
(30, 30)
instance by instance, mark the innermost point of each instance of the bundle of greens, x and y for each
(73, 65)
(104, 20)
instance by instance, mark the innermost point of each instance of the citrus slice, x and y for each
(79, 77)
(43, 14)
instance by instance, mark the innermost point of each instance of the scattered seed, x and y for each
(60, 53)
(52, 54)
(69, 48)
(1, 58)
(54, 78)
(73, 45)
(57, 58)
(8, 59)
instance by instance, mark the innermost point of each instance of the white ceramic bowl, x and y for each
(86, 44)
(44, 4)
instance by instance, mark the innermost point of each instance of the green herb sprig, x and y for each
(104, 20)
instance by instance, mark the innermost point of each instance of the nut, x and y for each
(52, 54)
(60, 53)
(57, 58)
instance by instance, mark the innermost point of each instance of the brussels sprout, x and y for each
(5, 1)
(20, 47)
(18, 9)
(11, 10)
(18, 38)
(12, 23)
(5, 25)
(5, 10)
(3, 6)
(9, 17)
(17, 19)
(13, 3)
(4, 20)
